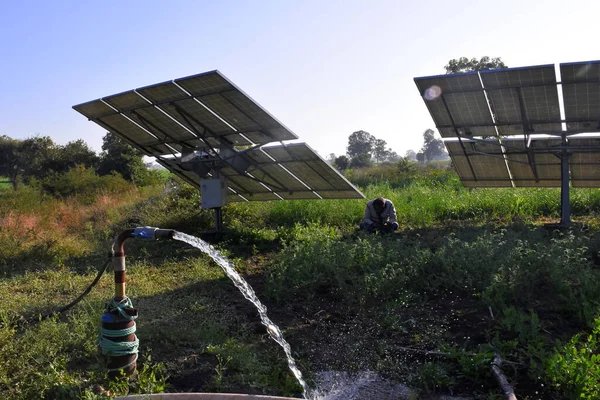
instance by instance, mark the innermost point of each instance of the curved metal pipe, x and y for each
(118, 321)
(118, 252)
(118, 260)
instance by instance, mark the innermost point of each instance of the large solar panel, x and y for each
(581, 93)
(457, 103)
(533, 163)
(584, 162)
(207, 116)
(479, 163)
(523, 100)
(202, 106)
(291, 171)
(524, 110)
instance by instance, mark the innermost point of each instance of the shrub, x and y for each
(83, 182)
(575, 367)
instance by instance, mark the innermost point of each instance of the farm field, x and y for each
(471, 275)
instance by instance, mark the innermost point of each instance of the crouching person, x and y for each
(380, 216)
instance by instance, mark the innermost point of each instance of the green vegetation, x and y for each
(471, 274)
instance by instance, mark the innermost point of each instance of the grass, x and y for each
(346, 301)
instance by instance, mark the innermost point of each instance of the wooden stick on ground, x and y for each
(509, 392)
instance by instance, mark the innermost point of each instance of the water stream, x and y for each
(329, 385)
(248, 292)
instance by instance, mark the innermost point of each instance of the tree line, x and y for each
(363, 149)
(39, 158)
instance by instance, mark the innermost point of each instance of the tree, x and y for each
(432, 148)
(23, 159)
(10, 159)
(380, 153)
(341, 162)
(360, 161)
(463, 64)
(391, 155)
(118, 156)
(410, 155)
(360, 142)
(406, 167)
(75, 153)
(38, 153)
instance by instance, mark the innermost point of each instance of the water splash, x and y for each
(365, 385)
(229, 269)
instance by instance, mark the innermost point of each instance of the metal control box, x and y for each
(213, 192)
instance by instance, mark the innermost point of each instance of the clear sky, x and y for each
(324, 68)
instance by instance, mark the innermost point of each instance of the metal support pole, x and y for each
(218, 219)
(565, 198)
(216, 174)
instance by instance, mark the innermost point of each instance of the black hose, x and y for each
(67, 307)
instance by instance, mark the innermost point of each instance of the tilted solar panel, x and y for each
(292, 171)
(207, 106)
(235, 107)
(479, 163)
(584, 162)
(457, 101)
(533, 163)
(527, 101)
(581, 93)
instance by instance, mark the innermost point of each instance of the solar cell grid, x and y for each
(163, 92)
(205, 83)
(584, 162)
(460, 103)
(229, 113)
(94, 109)
(159, 123)
(532, 97)
(126, 101)
(581, 93)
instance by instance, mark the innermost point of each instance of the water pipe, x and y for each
(118, 341)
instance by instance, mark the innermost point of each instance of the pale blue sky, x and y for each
(323, 68)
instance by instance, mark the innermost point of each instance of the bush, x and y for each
(575, 368)
(83, 182)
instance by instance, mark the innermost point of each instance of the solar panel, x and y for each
(234, 106)
(533, 163)
(457, 102)
(207, 119)
(479, 163)
(584, 162)
(305, 164)
(527, 101)
(205, 106)
(581, 93)
(292, 171)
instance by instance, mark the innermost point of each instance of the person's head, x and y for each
(379, 204)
